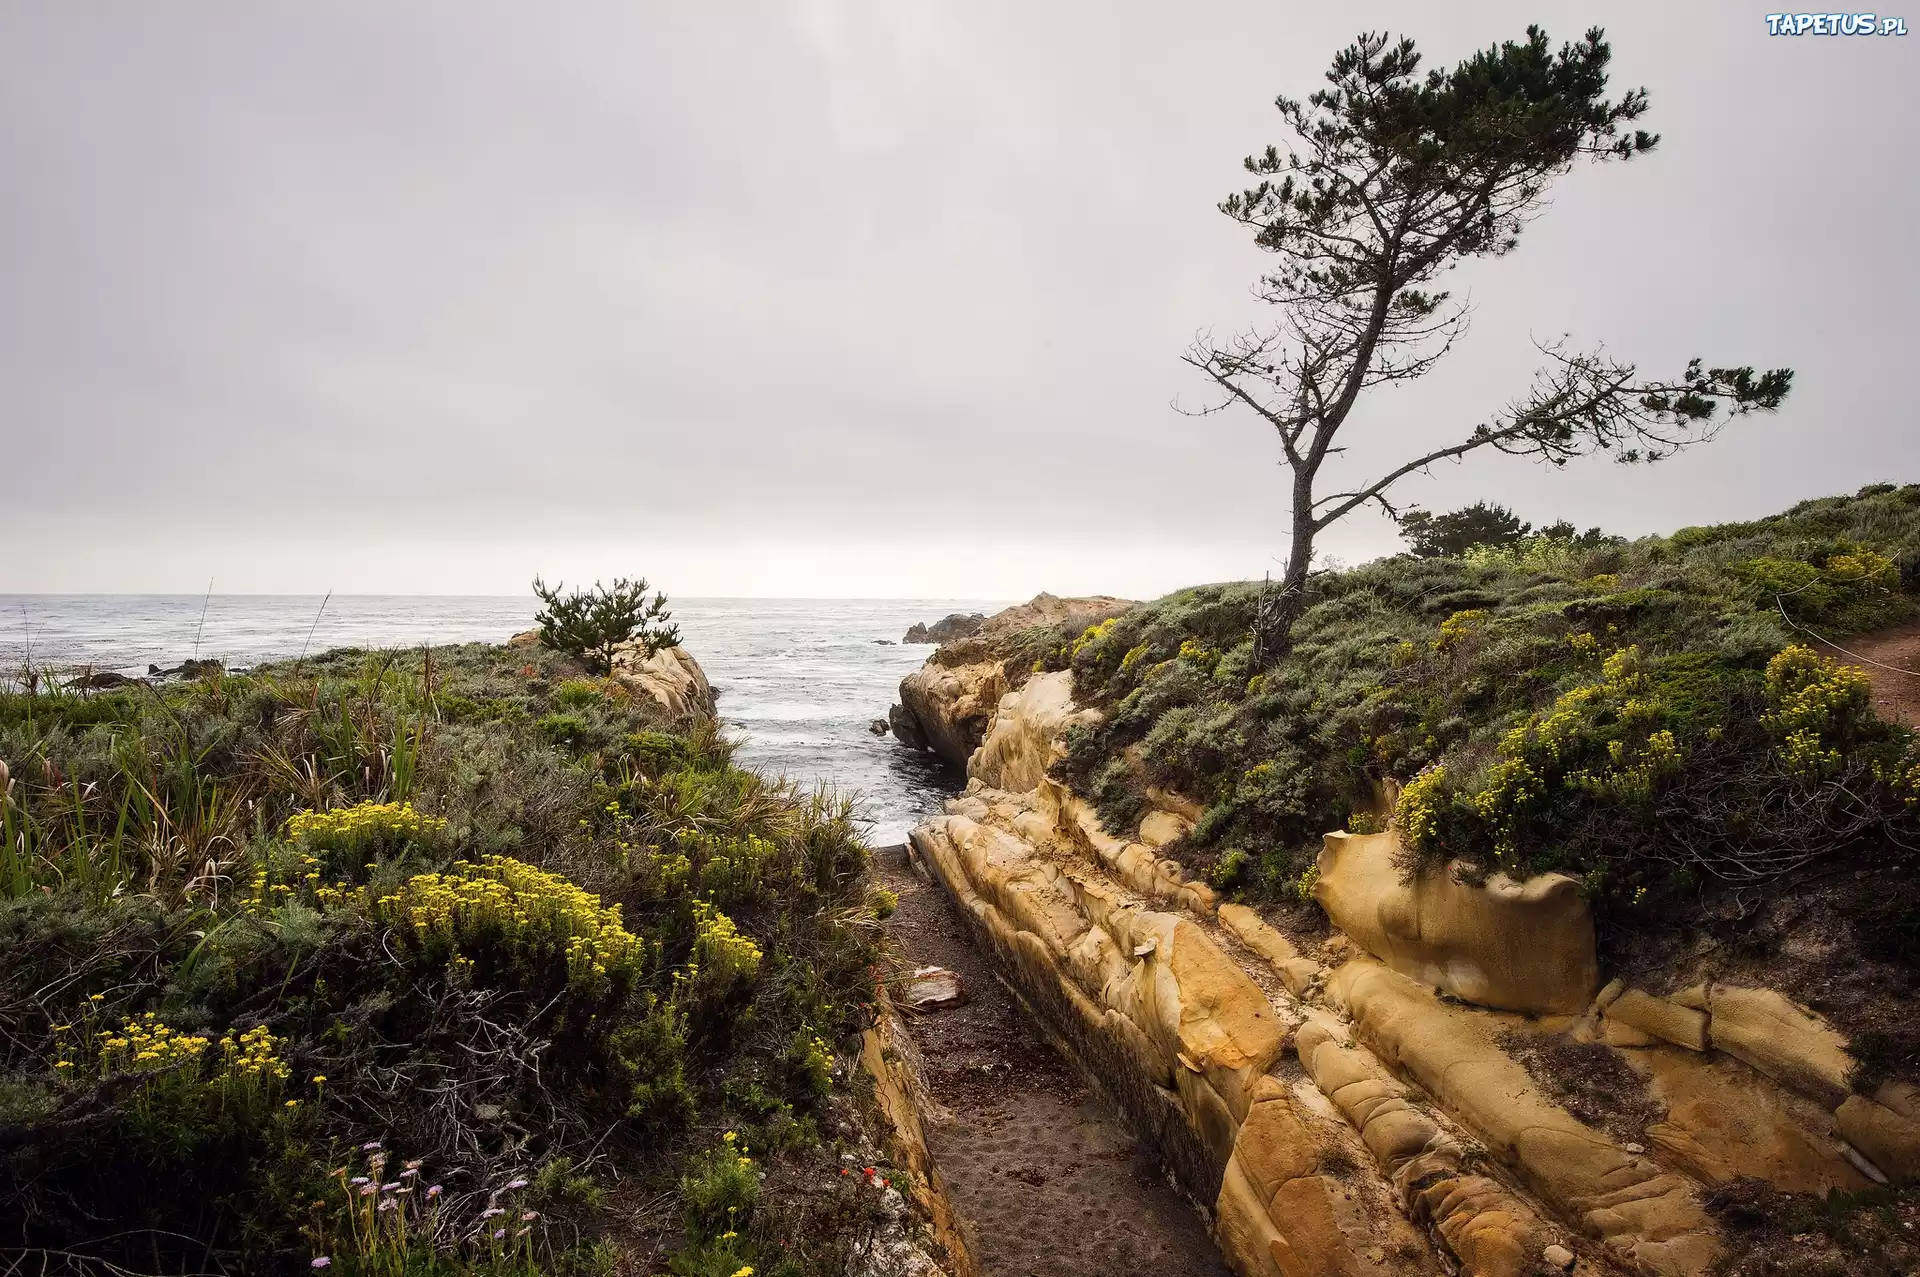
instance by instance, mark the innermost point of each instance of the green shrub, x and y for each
(582, 693)
(593, 624)
(1231, 869)
(1486, 676)
(720, 1188)
(564, 729)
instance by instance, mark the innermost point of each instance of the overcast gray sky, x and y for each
(813, 299)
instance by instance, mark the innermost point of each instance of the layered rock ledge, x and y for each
(1357, 1106)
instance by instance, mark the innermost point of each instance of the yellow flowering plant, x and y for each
(503, 916)
(356, 829)
(1608, 741)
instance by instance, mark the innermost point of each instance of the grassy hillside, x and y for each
(1640, 714)
(460, 965)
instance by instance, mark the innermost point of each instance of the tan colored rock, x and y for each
(1278, 1215)
(1160, 1014)
(1253, 931)
(953, 704)
(1486, 1227)
(670, 676)
(1782, 1039)
(953, 697)
(1902, 1097)
(1027, 733)
(1657, 1017)
(1162, 827)
(1196, 1003)
(1076, 824)
(1176, 804)
(1890, 1140)
(1694, 995)
(1518, 946)
(1723, 1123)
(1622, 1198)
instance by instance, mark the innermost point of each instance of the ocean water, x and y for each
(799, 679)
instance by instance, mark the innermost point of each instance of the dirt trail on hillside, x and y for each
(1891, 659)
(1047, 1181)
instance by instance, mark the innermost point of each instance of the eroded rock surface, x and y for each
(671, 676)
(1519, 946)
(1409, 1138)
(953, 697)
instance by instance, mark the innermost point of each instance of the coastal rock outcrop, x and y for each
(1421, 1130)
(671, 676)
(952, 698)
(1026, 734)
(956, 625)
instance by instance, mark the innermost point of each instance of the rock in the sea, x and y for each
(883, 642)
(933, 988)
(187, 669)
(906, 729)
(878, 727)
(100, 680)
(956, 625)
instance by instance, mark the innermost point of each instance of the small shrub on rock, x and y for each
(593, 624)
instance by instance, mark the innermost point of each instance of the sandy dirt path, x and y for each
(1049, 1182)
(1891, 659)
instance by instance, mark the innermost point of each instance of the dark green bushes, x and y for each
(1554, 702)
(471, 937)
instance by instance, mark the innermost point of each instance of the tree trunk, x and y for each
(1273, 621)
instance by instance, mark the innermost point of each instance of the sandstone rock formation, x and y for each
(951, 699)
(1518, 946)
(1027, 732)
(1410, 1138)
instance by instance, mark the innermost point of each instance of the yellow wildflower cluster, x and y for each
(147, 1045)
(1134, 656)
(1807, 589)
(1584, 642)
(536, 914)
(1861, 567)
(1418, 810)
(343, 828)
(1560, 748)
(1199, 653)
(253, 1057)
(721, 954)
(1458, 627)
(1812, 701)
(263, 894)
(1903, 776)
(1091, 635)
